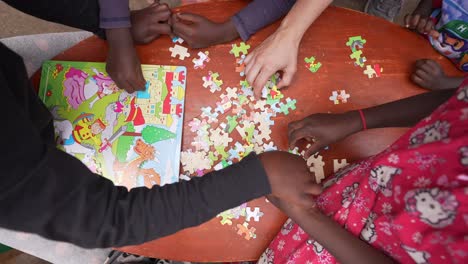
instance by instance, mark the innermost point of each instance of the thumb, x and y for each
(316, 147)
(189, 17)
(288, 75)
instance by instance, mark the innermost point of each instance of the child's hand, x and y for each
(200, 32)
(290, 178)
(151, 22)
(323, 129)
(123, 64)
(428, 74)
(423, 25)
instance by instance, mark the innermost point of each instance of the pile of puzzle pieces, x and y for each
(237, 114)
(356, 44)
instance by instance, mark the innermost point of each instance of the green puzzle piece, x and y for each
(212, 157)
(222, 152)
(356, 55)
(355, 41)
(232, 122)
(313, 67)
(249, 133)
(244, 83)
(290, 104)
(242, 48)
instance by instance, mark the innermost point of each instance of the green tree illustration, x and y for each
(152, 134)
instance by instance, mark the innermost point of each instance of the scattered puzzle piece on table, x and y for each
(199, 63)
(226, 217)
(338, 98)
(359, 61)
(315, 163)
(255, 214)
(178, 40)
(211, 81)
(244, 229)
(338, 164)
(237, 50)
(180, 51)
(313, 67)
(355, 42)
(373, 72)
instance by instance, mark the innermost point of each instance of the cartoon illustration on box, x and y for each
(132, 139)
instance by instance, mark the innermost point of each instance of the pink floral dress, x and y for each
(410, 201)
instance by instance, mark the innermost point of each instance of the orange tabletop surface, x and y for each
(394, 48)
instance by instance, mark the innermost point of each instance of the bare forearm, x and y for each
(405, 112)
(345, 247)
(301, 16)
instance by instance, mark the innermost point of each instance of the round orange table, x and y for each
(394, 48)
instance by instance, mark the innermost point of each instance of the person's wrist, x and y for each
(353, 121)
(227, 31)
(118, 38)
(290, 32)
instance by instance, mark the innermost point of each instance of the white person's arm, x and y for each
(279, 51)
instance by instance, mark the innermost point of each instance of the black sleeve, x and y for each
(82, 14)
(48, 192)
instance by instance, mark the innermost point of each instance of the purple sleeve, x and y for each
(259, 14)
(114, 14)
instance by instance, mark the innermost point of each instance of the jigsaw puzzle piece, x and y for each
(180, 51)
(355, 42)
(244, 229)
(315, 164)
(199, 63)
(373, 72)
(359, 61)
(313, 67)
(338, 164)
(242, 48)
(255, 214)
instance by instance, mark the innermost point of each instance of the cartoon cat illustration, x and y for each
(430, 133)
(419, 257)
(381, 179)
(368, 233)
(434, 207)
(287, 227)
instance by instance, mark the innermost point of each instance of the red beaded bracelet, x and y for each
(363, 120)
